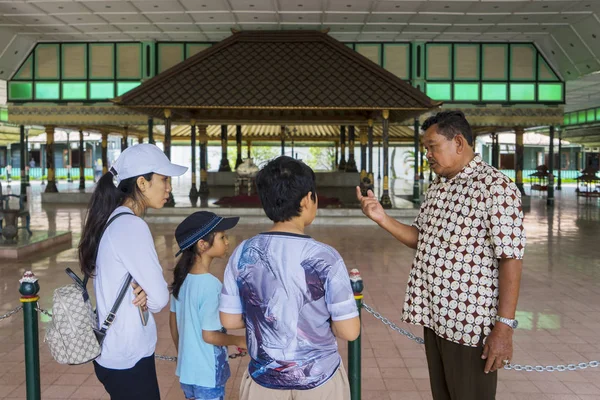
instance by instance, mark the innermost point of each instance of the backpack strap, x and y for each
(110, 221)
(113, 312)
(101, 332)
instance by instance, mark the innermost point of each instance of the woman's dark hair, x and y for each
(282, 184)
(105, 199)
(450, 124)
(185, 264)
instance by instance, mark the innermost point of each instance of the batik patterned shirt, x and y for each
(288, 288)
(466, 224)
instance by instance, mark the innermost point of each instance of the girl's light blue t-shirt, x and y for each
(197, 309)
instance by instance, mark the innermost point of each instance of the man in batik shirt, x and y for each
(464, 283)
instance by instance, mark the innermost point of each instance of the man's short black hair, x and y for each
(282, 184)
(450, 124)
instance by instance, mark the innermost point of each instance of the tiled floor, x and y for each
(559, 308)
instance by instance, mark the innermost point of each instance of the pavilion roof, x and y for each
(12, 134)
(271, 77)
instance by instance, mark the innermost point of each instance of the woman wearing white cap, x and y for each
(126, 366)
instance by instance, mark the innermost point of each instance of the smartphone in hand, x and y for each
(143, 314)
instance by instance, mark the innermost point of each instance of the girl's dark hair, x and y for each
(105, 199)
(185, 264)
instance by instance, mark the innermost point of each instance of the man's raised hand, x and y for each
(370, 206)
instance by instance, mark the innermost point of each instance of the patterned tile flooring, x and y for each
(559, 308)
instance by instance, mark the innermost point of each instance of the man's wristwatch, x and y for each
(513, 323)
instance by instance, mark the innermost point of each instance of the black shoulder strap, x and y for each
(110, 317)
(113, 312)
(110, 221)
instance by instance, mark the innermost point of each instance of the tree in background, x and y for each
(260, 154)
(321, 158)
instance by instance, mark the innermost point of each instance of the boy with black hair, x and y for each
(292, 294)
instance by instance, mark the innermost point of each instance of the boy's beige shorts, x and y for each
(337, 388)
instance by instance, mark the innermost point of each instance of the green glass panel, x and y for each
(3, 114)
(124, 87)
(591, 115)
(47, 91)
(494, 92)
(102, 90)
(550, 92)
(439, 91)
(597, 114)
(522, 92)
(74, 90)
(573, 118)
(20, 90)
(581, 117)
(566, 120)
(466, 92)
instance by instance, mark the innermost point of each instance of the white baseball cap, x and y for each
(142, 159)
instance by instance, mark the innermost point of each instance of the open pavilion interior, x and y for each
(214, 82)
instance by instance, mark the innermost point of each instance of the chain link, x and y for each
(45, 312)
(553, 368)
(395, 327)
(172, 358)
(515, 367)
(11, 313)
(165, 358)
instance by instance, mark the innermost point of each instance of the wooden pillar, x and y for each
(151, 130)
(370, 145)
(194, 189)
(167, 149)
(495, 150)
(51, 186)
(125, 138)
(249, 145)
(238, 144)
(550, 197)
(519, 158)
(342, 164)
(224, 167)
(351, 164)
(416, 177)
(379, 166)
(421, 154)
(140, 139)
(386, 201)
(364, 177)
(559, 166)
(81, 161)
(104, 152)
(69, 177)
(42, 161)
(363, 149)
(283, 140)
(23, 155)
(27, 158)
(203, 138)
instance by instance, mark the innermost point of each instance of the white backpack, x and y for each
(74, 336)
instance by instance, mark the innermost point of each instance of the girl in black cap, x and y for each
(196, 329)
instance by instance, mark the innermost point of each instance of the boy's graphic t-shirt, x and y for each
(288, 288)
(197, 308)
